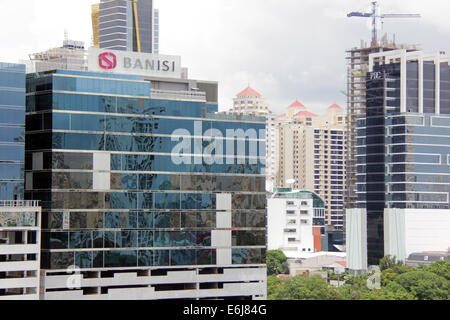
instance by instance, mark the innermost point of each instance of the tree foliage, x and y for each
(425, 285)
(389, 262)
(276, 263)
(398, 282)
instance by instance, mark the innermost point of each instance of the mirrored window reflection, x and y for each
(83, 259)
(120, 259)
(249, 238)
(248, 256)
(86, 220)
(249, 219)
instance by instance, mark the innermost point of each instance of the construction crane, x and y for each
(376, 16)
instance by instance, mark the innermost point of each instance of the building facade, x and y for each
(12, 130)
(19, 220)
(295, 222)
(312, 155)
(358, 66)
(19, 250)
(123, 208)
(127, 25)
(403, 157)
(249, 102)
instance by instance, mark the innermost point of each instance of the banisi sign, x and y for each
(134, 63)
(107, 60)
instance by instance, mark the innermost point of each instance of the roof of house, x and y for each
(342, 263)
(297, 104)
(334, 106)
(306, 114)
(249, 92)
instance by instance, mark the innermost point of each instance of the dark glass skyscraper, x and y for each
(403, 171)
(126, 25)
(12, 130)
(138, 225)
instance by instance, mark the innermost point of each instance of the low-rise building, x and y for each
(426, 258)
(295, 222)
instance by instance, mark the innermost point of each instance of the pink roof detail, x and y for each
(282, 116)
(248, 92)
(297, 104)
(342, 263)
(305, 114)
(334, 106)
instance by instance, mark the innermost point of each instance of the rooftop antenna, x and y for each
(375, 17)
(66, 34)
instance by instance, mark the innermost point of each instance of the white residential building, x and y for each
(295, 222)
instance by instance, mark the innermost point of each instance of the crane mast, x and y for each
(376, 16)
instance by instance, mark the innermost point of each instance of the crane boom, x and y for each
(399, 15)
(375, 17)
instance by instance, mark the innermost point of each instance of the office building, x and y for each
(19, 220)
(131, 202)
(295, 222)
(95, 16)
(12, 130)
(311, 156)
(403, 159)
(127, 25)
(357, 68)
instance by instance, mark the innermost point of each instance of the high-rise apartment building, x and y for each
(127, 25)
(132, 204)
(403, 156)
(312, 152)
(19, 220)
(249, 102)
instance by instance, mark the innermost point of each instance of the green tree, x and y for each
(389, 262)
(276, 262)
(424, 285)
(304, 288)
(441, 268)
(273, 285)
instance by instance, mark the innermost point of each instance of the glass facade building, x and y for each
(12, 131)
(403, 140)
(125, 25)
(100, 157)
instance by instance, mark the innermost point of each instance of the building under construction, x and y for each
(358, 66)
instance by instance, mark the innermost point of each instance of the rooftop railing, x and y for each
(19, 203)
(169, 94)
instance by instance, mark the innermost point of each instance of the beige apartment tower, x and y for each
(312, 151)
(250, 102)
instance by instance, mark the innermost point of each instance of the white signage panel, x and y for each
(134, 63)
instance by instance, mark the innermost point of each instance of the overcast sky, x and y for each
(285, 49)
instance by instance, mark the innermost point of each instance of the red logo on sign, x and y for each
(107, 60)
